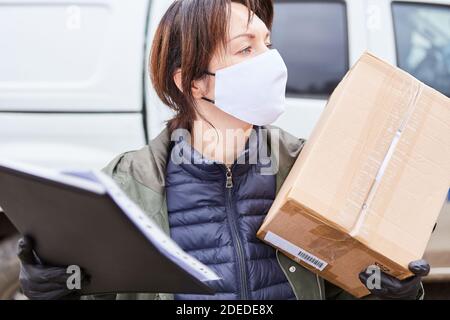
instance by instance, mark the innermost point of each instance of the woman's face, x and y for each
(245, 41)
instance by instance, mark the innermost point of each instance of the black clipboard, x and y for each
(84, 219)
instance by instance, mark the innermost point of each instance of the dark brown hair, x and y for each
(187, 37)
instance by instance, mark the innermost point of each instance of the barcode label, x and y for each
(294, 250)
(311, 259)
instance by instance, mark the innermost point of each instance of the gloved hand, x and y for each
(42, 282)
(392, 288)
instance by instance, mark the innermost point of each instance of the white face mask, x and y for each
(253, 90)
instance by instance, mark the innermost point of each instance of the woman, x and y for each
(212, 63)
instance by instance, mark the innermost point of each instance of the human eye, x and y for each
(246, 50)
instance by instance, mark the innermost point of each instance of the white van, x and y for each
(73, 74)
(74, 88)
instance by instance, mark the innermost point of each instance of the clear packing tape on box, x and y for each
(387, 158)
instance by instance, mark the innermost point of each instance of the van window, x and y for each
(422, 33)
(312, 38)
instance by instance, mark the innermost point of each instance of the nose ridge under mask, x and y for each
(253, 90)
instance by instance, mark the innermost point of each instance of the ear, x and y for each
(200, 87)
(177, 79)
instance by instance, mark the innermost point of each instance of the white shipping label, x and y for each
(292, 249)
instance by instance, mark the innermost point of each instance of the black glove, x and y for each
(392, 288)
(42, 282)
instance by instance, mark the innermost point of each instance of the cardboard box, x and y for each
(370, 182)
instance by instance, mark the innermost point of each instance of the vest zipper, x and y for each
(235, 234)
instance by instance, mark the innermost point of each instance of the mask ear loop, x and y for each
(209, 100)
(205, 98)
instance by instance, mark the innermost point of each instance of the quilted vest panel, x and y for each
(214, 213)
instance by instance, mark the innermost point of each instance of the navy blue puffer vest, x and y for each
(214, 214)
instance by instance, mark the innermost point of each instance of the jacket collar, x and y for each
(191, 160)
(286, 146)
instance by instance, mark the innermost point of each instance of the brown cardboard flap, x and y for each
(344, 256)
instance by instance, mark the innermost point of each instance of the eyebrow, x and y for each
(248, 35)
